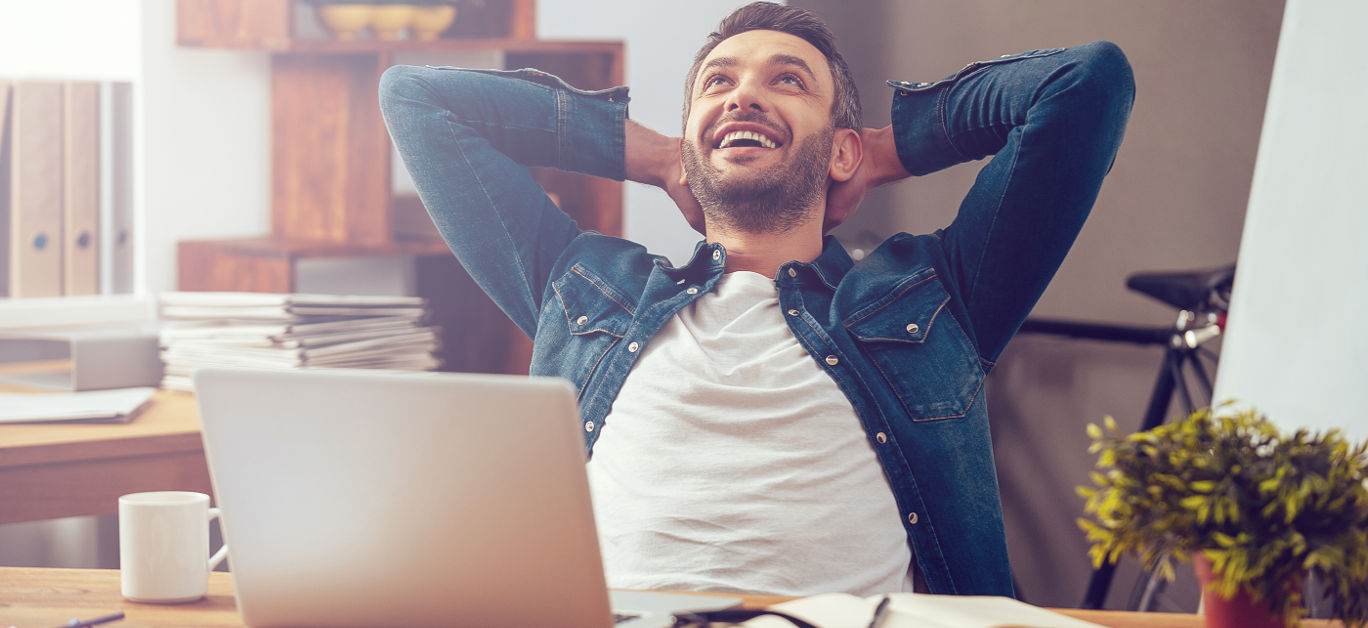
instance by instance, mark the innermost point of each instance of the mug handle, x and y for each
(222, 552)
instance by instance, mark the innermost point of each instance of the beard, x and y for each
(776, 199)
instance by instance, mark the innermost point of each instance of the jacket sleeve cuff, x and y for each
(591, 132)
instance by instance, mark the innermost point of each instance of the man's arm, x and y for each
(1053, 121)
(468, 137)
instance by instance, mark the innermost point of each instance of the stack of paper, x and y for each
(263, 330)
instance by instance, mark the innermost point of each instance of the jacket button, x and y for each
(912, 328)
(581, 320)
(881, 437)
(793, 312)
(792, 273)
(717, 255)
(692, 290)
(832, 360)
(912, 518)
(588, 426)
(632, 348)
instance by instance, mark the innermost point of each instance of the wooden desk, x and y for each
(51, 597)
(66, 470)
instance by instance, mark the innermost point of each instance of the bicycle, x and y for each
(1202, 298)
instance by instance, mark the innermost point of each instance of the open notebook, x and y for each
(917, 610)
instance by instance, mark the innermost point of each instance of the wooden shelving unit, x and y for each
(332, 173)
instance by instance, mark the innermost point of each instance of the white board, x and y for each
(1297, 341)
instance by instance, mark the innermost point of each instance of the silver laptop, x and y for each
(365, 498)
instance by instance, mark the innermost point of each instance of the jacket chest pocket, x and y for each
(920, 350)
(584, 323)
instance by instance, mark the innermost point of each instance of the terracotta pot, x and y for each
(1240, 612)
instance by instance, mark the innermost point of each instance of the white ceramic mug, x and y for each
(163, 545)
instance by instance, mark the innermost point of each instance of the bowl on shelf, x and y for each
(429, 22)
(345, 21)
(388, 21)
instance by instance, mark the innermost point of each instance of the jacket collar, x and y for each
(830, 267)
(833, 264)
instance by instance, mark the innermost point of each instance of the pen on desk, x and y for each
(879, 612)
(103, 619)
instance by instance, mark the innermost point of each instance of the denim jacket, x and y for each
(908, 333)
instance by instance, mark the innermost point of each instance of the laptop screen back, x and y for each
(354, 497)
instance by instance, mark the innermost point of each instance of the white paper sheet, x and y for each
(116, 406)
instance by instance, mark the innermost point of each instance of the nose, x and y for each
(748, 95)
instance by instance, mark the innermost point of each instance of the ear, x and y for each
(847, 152)
(683, 178)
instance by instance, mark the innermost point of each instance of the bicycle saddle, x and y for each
(1187, 290)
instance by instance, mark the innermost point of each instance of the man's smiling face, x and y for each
(760, 130)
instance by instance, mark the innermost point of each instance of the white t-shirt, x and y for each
(731, 462)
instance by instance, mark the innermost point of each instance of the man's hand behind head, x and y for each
(878, 165)
(677, 186)
(654, 159)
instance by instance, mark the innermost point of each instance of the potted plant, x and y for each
(1257, 509)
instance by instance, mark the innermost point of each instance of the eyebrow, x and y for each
(778, 59)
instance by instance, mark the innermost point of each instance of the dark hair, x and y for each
(758, 16)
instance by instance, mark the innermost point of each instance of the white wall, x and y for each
(1296, 337)
(70, 39)
(205, 150)
(661, 39)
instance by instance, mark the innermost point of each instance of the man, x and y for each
(772, 417)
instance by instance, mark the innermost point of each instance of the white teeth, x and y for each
(735, 136)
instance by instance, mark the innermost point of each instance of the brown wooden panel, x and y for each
(494, 18)
(523, 19)
(256, 24)
(330, 153)
(93, 487)
(213, 266)
(594, 68)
